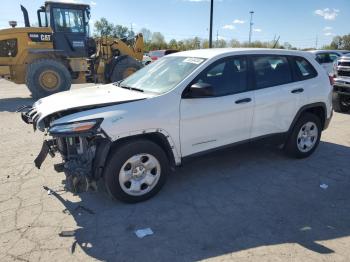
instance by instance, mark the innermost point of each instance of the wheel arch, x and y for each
(319, 109)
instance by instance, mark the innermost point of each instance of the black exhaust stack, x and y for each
(25, 16)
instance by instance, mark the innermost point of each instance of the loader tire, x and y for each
(124, 68)
(46, 76)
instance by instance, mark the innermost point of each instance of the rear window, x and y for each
(304, 69)
(271, 71)
(325, 58)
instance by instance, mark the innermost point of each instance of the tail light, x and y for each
(154, 58)
(331, 80)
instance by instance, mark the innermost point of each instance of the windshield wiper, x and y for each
(117, 83)
(131, 88)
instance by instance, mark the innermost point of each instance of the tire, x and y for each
(46, 76)
(294, 142)
(124, 68)
(121, 160)
(338, 103)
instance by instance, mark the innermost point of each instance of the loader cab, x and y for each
(70, 24)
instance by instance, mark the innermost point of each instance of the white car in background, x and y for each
(133, 132)
(326, 58)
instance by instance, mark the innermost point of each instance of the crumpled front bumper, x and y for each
(29, 115)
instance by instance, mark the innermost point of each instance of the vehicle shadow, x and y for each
(12, 104)
(246, 197)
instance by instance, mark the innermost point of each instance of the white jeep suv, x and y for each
(132, 133)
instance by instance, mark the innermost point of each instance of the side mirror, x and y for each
(199, 90)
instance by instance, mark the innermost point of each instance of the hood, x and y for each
(82, 99)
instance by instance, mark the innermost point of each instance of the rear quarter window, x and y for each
(304, 68)
(271, 70)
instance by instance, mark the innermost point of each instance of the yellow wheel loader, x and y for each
(49, 57)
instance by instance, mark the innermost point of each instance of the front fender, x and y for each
(170, 140)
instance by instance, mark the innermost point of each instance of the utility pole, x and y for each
(251, 26)
(211, 24)
(131, 33)
(217, 38)
(316, 44)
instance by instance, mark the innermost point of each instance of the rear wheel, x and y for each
(46, 76)
(136, 171)
(341, 103)
(125, 68)
(304, 137)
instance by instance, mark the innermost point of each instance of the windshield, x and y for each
(162, 75)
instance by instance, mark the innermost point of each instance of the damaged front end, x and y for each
(83, 145)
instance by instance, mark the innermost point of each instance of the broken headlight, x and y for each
(74, 128)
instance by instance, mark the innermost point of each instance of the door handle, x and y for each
(243, 101)
(298, 90)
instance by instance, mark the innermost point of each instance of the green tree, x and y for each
(205, 44)
(196, 43)
(173, 44)
(220, 43)
(103, 27)
(181, 45)
(147, 34)
(120, 31)
(158, 41)
(234, 43)
(287, 45)
(341, 42)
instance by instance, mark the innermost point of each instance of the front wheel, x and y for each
(136, 171)
(304, 137)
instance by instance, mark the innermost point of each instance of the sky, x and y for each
(303, 23)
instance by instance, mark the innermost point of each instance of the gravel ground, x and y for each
(249, 203)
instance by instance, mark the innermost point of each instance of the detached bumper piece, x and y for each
(46, 148)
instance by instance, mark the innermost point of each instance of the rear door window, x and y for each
(271, 70)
